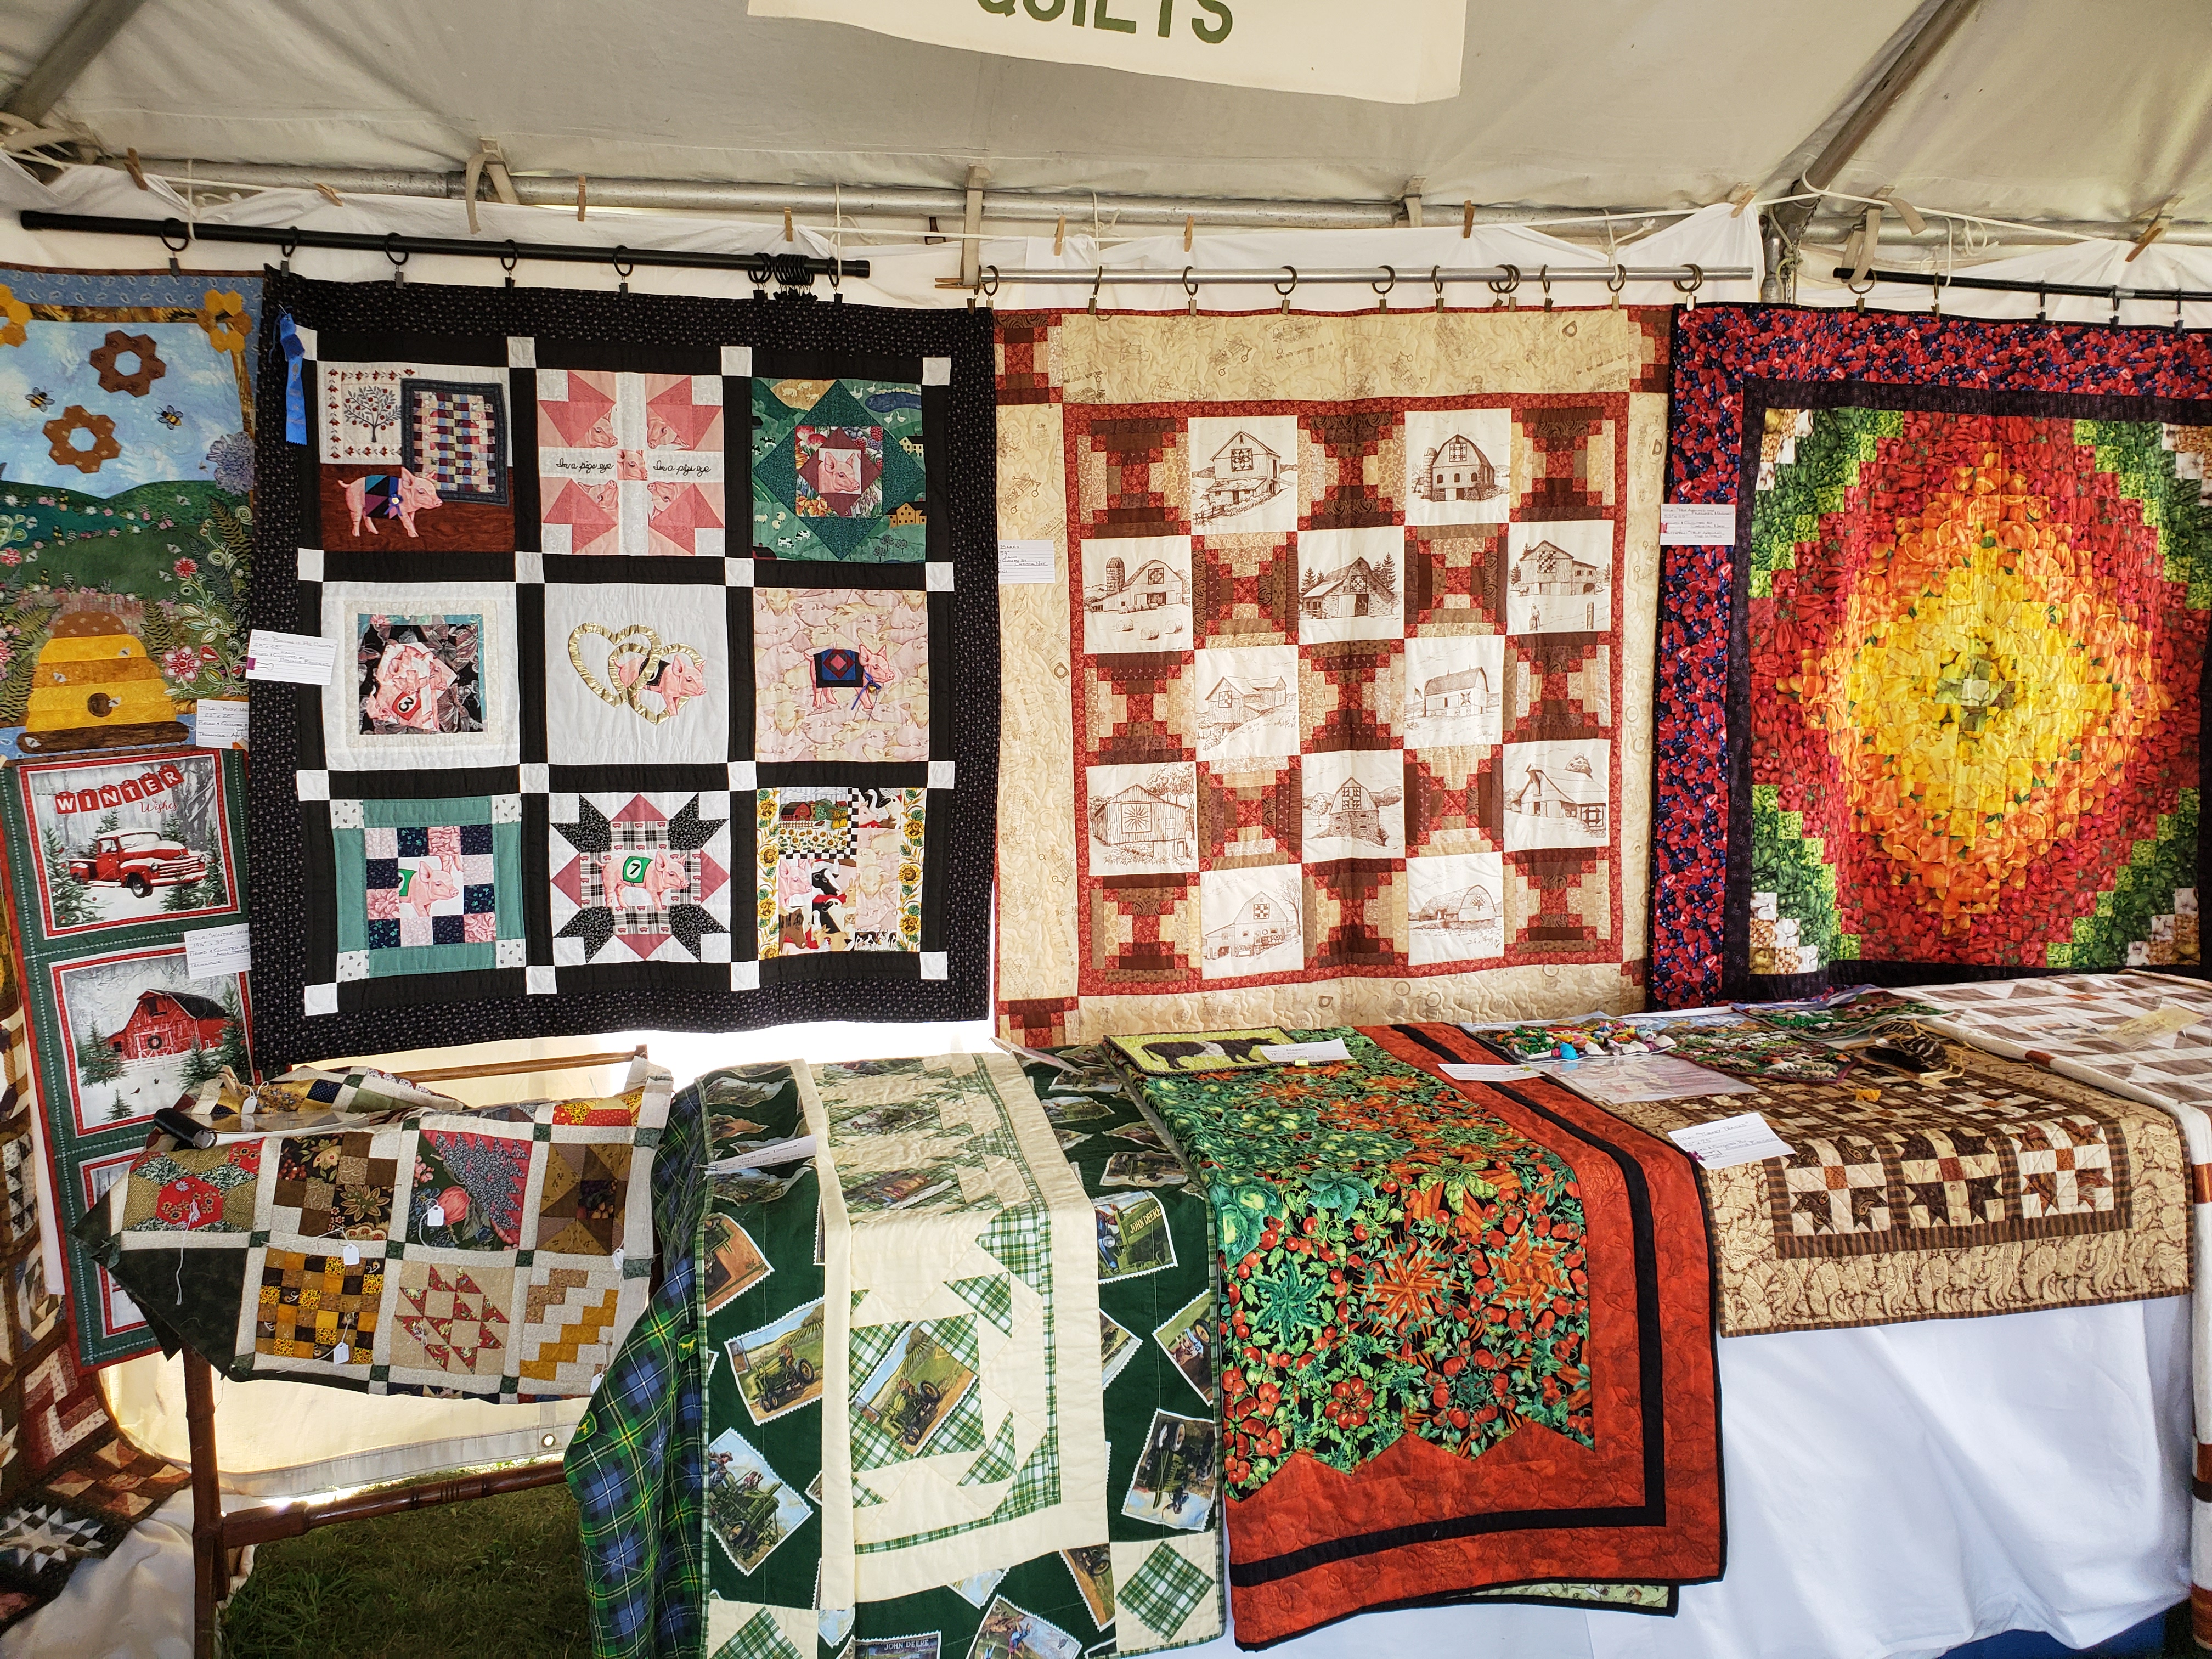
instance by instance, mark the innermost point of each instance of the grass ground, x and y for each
(498, 1579)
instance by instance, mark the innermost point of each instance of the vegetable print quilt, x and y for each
(664, 688)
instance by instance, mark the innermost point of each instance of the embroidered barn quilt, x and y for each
(114, 862)
(1339, 709)
(502, 1251)
(126, 462)
(591, 757)
(1967, 1185)
(1447, 1308)
(1936, 713)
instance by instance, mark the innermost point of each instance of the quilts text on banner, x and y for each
(501, 1251)
(114, 861)
(1448, 1310)
(1937, 712)
(609, 742)
(1341, 710)
(1926, 1180)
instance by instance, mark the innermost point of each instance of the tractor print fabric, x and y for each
(126, 525)
(1938, 706)
(1340, 709)
(502, 1252)
(115, 862)
(596, 759)
(1424, 1282)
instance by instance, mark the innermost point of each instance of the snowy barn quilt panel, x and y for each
(114, 863)
(667, 665)
(1937, 715)
(1340, 710)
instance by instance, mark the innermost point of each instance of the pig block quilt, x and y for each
(666, 678)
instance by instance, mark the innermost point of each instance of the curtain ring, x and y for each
(1191, 289)
(1615, 282)
(184, 241)
(1436, 281)
(1504, 289)
(1097, 277)
(622, 269)
(1861, 291)
(1544, 276)
(398, 259)
(1696, 281)
(1287, 292)
(1383, 289)
(509, 260)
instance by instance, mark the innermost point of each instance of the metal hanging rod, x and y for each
(1846, 275)
(1501, 279)
(787, 269)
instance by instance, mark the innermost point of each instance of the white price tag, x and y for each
(1697, 524)
(1024, 562)
(351, 1255)
(1744, 1139)
(295, 659)
(219, 723)
(218, 952)
(1291, 1053)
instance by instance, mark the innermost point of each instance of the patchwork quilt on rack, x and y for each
(1965, 1186)
(1448, 1310)
(1938, 709)
(502, 1251)
(1338, 709)
(589, 758)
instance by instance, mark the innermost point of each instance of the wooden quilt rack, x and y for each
(216, 1537)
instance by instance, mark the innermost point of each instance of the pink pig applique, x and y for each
(409, 678)
(432, 883)
(628, 887)
(675, 679)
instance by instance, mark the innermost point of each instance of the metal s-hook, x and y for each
(1696, 281)
(1287, 292)
(1383, 289)
(2042, 306)
(509, 260)
(1862, 291)
(1615, 282)
(2113, 321)
(1436, 281)
(1504, 289)
(1544, 276)
(1191, 289)
(398, 259)
(623, 268)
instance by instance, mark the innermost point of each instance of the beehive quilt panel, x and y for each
(502, 1253)
(1936, 714)
(589, 756)
(1340, 708)
(114, 862)
(126, 422)
(1446, 1308)
(1038, 1546)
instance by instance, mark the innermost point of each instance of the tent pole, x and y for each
(84, 37)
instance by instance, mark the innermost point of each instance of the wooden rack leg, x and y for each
(209, 1560)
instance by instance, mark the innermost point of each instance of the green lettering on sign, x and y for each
(1119, 25)
(1212, 37)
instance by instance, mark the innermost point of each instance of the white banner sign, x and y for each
(1391, 52)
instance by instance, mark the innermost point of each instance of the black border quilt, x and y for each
(666, 679)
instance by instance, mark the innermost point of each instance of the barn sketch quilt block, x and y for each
(1352, 679)
(541, 795)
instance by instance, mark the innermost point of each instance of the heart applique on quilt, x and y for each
(638, 665)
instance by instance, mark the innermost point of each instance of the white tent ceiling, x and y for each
(2034, 107)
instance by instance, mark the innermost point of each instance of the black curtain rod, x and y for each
(2013, 285)
(790, 270)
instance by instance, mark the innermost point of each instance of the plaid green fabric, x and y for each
(992, 1296)
(759, 1639)
(1165, 1591)
(637, 1462)
(1022, 1239)
(998, 1461)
